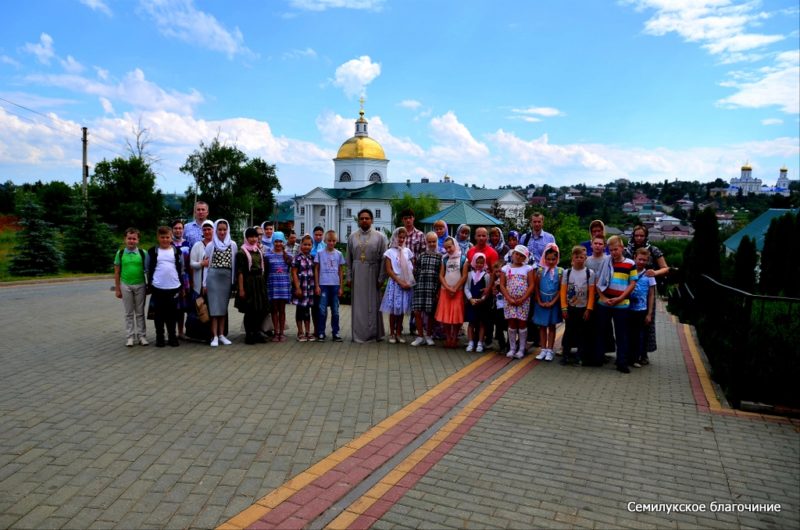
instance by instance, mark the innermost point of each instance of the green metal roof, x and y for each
(285, 211)
(757, 229)
(462, 213)
(445, 191)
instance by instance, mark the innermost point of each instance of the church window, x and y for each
(377, 213)
(302, 210)
(345, 177)
(349, 212)
(375, 177)
(349, 230)
(322, 211)
(302, 228)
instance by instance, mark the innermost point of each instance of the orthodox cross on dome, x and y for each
(361, 100)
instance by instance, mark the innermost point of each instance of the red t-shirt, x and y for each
(489, 252)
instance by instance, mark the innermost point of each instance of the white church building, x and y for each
(361, 180)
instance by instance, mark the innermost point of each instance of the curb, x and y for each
(46, 281)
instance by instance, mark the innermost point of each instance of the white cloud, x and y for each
(775, 86)
(772, 121)
(71, 65)
(412, 104)
(43, 144)
(134, 89)
(720, 26)
(181, 20)
(5, 59)
(309, 53)
(354, 75)
(108, 108)
(322, 5)
(547, 112)
(102, 73)
(97, 5)
(452, 141)
(34, 101)
(43, 50)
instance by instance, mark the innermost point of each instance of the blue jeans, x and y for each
(619, 316)
(329, 297)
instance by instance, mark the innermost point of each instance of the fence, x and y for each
(752, 341)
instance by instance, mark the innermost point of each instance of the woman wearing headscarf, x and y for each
(442, 233)
(497, 242)
(220, 277)
(596, 229)
(656, 268)
(399, 289)
(251, 297)
(462, 238)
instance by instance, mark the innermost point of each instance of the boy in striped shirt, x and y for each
(614, 289)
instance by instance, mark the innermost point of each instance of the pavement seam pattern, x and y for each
(313, 491)
(365, 511)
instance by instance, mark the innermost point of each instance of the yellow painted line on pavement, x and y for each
(702, 373)
(373, 495)
(270, 501)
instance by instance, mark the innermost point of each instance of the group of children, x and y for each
(597, 294)
(263, 274)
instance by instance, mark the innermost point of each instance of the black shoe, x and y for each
(160, 343)
(249, 339)
(623, 369)
(320, 338)
(337, 338)
(173, 341)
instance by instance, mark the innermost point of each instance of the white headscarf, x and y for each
(221, 245)
(406, 271)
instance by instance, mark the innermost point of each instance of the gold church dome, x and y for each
(361, 147)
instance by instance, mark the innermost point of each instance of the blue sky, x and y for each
(491, 93)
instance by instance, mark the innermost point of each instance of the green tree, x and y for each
(89, 243)
(123, 193)
(781, 235)
(567, 230)
(702, 255)
(422, 205)
(744, 276)
(235, 186)
(8, 199)
(35, 253)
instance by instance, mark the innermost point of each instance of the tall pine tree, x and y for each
(35, 253)
(702, 255)
(744, 276)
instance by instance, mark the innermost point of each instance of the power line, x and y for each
(100, 143)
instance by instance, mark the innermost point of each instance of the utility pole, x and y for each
(85, 167)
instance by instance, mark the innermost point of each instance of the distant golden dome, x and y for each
(361, 147)
(747, 167)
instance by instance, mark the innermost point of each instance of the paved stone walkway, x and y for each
(96, 435)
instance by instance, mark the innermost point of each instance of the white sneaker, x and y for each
(214, 342)
(429, 341)
(511, 353)
(224, 340)
(418, 341)
(143, 341)
(520, 353)
(470, 347)
(542, 355)
(479, 347)
(129, 342)
(392, 340)
(549, 356)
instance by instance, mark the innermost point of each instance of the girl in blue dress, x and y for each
(278, 265)
(547, 310)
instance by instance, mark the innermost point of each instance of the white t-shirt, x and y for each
(513, 271)
(165, 276)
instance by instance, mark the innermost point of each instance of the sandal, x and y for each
(302, 338)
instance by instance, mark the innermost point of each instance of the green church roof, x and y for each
(462, 213)
(757, 229)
